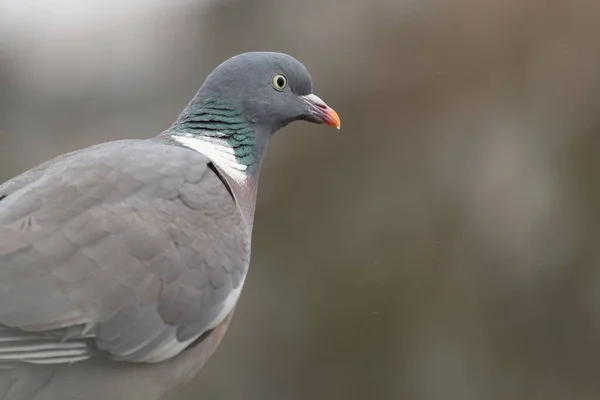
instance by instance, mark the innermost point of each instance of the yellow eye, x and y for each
(279, 82)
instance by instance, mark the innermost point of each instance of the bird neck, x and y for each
(223, 134)
(234, 144)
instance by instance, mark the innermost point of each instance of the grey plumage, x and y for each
(115, 233)
(122, 260)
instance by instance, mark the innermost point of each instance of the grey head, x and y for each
(270, 89)
(243, 102)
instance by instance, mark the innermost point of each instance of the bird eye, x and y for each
(279, 82)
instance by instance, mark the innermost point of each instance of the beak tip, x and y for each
(334, 119)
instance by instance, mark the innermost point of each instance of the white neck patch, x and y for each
(222, 155)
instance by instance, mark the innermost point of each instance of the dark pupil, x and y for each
(280, 82)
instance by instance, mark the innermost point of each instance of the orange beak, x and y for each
(325, 114)
(331, 118)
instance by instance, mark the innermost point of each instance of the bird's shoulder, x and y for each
(106, 173)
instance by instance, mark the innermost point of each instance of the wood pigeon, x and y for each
(121, 264)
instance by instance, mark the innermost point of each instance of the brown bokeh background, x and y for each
(442, 245)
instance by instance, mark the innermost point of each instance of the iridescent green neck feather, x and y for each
(221, 124)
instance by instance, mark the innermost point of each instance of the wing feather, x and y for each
(133, 247)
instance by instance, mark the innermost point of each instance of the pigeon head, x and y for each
(270, 89)
(241, 104)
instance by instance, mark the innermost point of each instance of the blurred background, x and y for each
(442, 245)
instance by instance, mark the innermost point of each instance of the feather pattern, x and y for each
(113, 260)
(48, 348)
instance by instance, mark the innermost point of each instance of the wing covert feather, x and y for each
(136, 239)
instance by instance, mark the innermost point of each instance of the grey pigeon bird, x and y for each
(121, 264)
